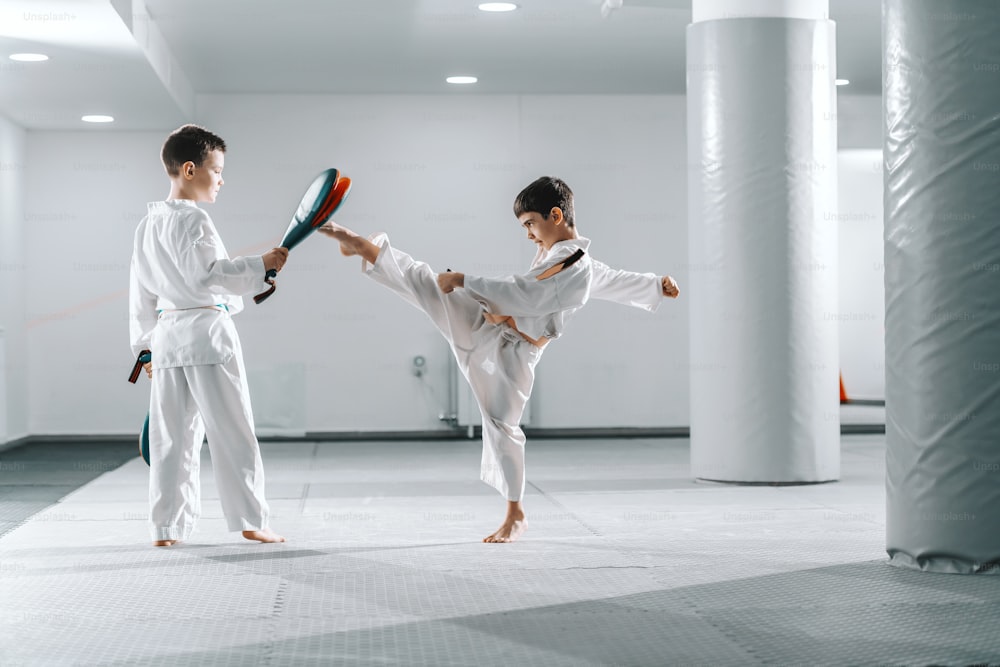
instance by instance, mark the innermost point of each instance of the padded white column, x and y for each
(763, 279)
(941, 78)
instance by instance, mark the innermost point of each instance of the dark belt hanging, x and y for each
(144, 358)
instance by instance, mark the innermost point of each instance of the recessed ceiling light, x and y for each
(497, 6)
(461, 79)
(97, 118)
(842, 82)
(29, 57)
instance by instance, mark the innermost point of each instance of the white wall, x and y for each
(862, 273)
(860, 220)
(859, 121)
(331, 350)
(13, 265)
(85, 192)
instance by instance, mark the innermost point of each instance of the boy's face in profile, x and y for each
(544, 232)
(204, 182)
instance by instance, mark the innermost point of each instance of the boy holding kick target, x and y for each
(183, 291)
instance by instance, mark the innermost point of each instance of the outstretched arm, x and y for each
(239, 276)
(641, 290)
(203, 260)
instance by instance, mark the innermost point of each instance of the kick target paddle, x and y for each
(327, 192)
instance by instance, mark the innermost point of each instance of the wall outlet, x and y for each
(419, 365)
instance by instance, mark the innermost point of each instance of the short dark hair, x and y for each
(542, 196)
(189, 143)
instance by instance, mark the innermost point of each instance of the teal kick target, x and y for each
(321, 200)
(144, 440)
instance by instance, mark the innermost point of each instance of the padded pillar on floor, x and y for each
(763, 251)
(941, 77)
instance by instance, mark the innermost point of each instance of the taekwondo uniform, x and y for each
(183, 292)
(498, 327)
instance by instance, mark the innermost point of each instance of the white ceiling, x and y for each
(145, 61)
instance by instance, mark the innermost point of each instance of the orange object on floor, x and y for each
(843, 393)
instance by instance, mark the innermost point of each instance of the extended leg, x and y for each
(457, 316)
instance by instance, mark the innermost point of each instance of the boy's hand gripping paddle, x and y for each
(327, 192)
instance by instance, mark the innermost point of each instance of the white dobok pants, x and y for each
(186, 403)
(497, 362)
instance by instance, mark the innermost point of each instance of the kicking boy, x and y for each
(498, 327)
(183, 291)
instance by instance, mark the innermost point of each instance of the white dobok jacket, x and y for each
(179, 271)
(541, 308)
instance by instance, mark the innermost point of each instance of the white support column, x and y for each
(763, 279)
(941, 79)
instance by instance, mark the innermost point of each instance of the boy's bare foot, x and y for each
(165, 543)
(513, 526)
(350, 242)
(266, 535)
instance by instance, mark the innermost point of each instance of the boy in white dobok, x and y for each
(183, 291)
(498, 327)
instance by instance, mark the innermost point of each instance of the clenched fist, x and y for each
(670, 287)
